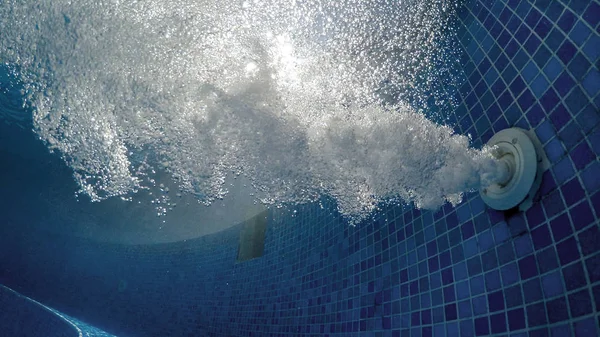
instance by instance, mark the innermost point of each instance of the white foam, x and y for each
(296, 95)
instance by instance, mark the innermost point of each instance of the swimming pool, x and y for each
(458, 271)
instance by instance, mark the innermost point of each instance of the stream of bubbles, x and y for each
(304, 98)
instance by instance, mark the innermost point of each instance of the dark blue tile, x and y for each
(552, 284)
(505, 15)
(498, 87)
(578, 6)
(532, 44)
(592, 47)
(591, 82)
(589, 241)
(545, 131)
(574, 276)
(590, 180)
(528, 267)
(557, 310)
(543, 27)
(582, 155)
(467, 230)
(513, 23)
(501, 62)
(474, 266)
(596, 291)
(477, 285)
(548, 183)
(523, 245)
(509, 274)
(564, 83)
(572, 192)
(563, 170)
(513, 296)
(581, 215)
(532, 290)
(554, 10)
(561, 227)
(580, 303)
(516, 319)
(501, 232)
(571, 135)
(533, 17)
(592, 14)
(498, 323)
(592, 265)
(547, 259)
(496, 301)
(482, 327)
(450, 312)
(492, 280)
(587, 327)
(466, 328)
(506, 253)
(523, 9)
(594, 140)
(560, 330)
(526, 100)
(542, 55)
(535, 215)
(486, 240)
(576, 100)
(555, 39)
(536, 314)
(567, 251)
(511, 48)
(566, 52)
(509, 73)
(549, 100)
(541, 237)
(522, 34)
(513, 113)
(553, 204)
(567, 21)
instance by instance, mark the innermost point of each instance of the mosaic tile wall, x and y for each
(465, 271)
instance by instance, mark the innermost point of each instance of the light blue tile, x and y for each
(552, 284)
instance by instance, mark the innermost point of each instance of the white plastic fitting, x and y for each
(521, 153)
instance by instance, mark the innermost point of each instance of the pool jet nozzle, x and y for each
(523, 158)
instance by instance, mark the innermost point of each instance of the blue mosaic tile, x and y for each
(567, 251)
(592, 265)
(564, 170)
(589, 241)
(555, 39)
(516, 319)
(582, 155)
(591, 48)
(589, 177)
(547, 259)
(581, 215)
(557, 310)
(586, 327)
(580, 303)
(567, 21)
(552, 284)
(561, 227)
(592, 14)
(591, 82)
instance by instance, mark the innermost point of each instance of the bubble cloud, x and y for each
(305, 98)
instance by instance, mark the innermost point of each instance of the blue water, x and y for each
(458, 271)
